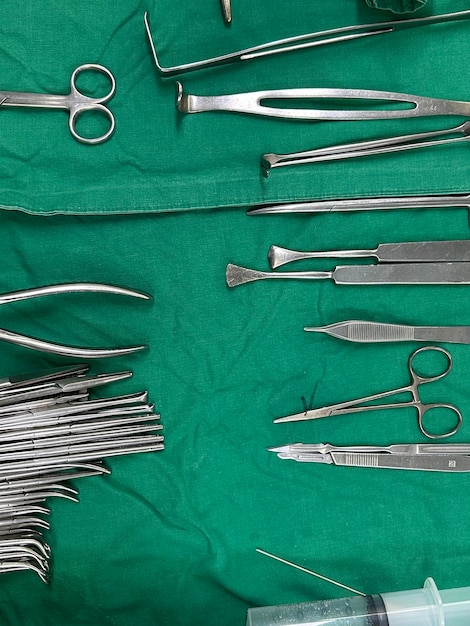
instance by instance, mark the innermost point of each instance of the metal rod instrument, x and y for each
(346, 205)
(406, 252)
(257, 103)
(453, 457)
(360, 405)
(226, 6)
(381, 274)
(367, 148)
(300, 42)
(362, 331)
(56, 348)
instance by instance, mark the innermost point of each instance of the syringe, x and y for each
(418, 607)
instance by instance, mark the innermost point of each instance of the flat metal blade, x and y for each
(403, 274)
(424, 251)
(425, 462)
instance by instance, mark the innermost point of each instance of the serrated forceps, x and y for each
(74, 102)
(358, 405)
(56, 348)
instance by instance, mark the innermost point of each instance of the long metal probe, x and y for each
(311, 572)
(346, 205)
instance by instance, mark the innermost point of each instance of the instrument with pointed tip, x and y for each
(362, 331)
(359, 405)
(407, 252)
(386, 274)
(56, 348)
(426, 457)
(346, 205)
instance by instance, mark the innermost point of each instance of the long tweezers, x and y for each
(366, 148)
(300, 42)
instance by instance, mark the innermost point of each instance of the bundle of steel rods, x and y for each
(51, 432)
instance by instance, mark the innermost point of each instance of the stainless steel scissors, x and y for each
(75, 102)
(356, 406)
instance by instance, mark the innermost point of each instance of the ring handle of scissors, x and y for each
(80, 102)
(417, 378)
(426, 408)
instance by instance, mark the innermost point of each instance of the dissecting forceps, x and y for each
(453, 457)
(360, 404)
(301, 42)
(366, 148)
(55, 348)
(75, 102)
(363, 331)
(253, 103)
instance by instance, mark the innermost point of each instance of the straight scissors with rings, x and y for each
(75, 102)
(356, 406)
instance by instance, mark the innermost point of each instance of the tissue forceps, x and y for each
(300, 42)
(366, 148)
(56, 348)
(356, 406)
(75, 102)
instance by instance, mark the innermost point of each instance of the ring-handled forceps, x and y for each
(360, 404)
(75, 102)
(56, 348)
(367, 148)
(300, 42)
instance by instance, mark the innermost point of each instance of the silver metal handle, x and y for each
(253, 103)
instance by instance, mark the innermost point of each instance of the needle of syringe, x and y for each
(307, 571)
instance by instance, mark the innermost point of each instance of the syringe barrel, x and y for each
(418, 607)
(354, 611)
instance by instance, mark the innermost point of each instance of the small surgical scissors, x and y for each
(356, 406)
(75, 102)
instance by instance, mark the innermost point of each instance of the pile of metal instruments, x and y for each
(51, 433)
